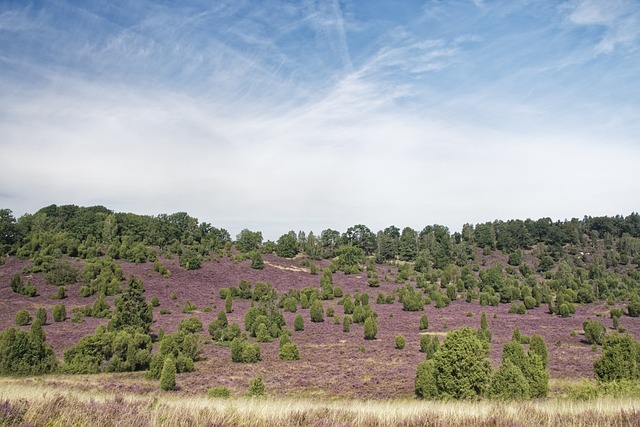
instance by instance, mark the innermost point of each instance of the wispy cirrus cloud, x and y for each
(282, 115)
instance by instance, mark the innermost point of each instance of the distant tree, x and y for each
(168, 376)
(256, 260)
(594, 332)
(538, 346)
(248, 240)
(346, 324)
(370, 329)
(360, 236)
(298, 323)
(408, 244)
(400, 342)
(426, 381)
(317, 312)
(287, 245)
(424, 322)
(228, 304)
(23, 318)
(59, 313)
(132, 311)
(256, 387)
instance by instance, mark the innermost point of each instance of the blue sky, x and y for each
(307, 115)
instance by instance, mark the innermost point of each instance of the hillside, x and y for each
(332, 363)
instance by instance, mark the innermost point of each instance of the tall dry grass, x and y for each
(36, 403)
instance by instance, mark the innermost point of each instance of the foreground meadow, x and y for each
(51, 402)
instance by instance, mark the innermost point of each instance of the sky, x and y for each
(307, 115)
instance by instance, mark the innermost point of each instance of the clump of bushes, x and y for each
(18, 286)
(243, 351)
(23, 318)
(218, 392)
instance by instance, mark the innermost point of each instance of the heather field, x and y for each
(333, 364)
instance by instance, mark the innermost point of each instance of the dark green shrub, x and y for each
(346, 324)
(25, 353)
(190, 325)
(425, 383)
(399, 342)
(348, 305)
(538, 346)
(155, 302)
(290, 304)
(100, 307)
(530, 302)
(59, 313)
(289, 351)
(244, 352)
(168, 375)
(564, 311)
(508, 383)
(370, 329)
(23, 318)
(424, 322)
(594, 332)
(41, 316)
(256, 387)
(219, 392)
(429, 344)
(61, 273)
(298, 323)
(462, 368)
(619, 360)
(317, 312)
(188, 307)
(131, 309)
(633, 309)
(256, 260)
(61, 293)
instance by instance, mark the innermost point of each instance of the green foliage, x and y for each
(424, 322)
(244, 352)
(23, 318)
(256, 387)
(370, 329)
(400, 342)
(619, 359)
(538, 346)
(25, 353)
(429, 344)
(228, 304)
(132, 311)
(346, 324)
(462, 368)
(425, 382)
(287, 245)
(191, 259)
(348, 305)
(256, 260)
(633, 308)
(508, 383)
(594, 332)
(317, 312)
(298, 323)
(218, 392)
(188, 307)
(160, 268)
(108, 351)
(349, 259)
(564, 310)
(100, 307)
(248, 241)
(410, 299)
(484, 324)
(289, 351)
(59, 313)
(190, 325)
(168, 375)
(61, 273)
(101, 276)
(41, 316)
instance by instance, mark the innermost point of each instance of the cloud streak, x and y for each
(273, 117)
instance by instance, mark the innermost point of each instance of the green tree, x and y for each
(346, 324)
(41, 316)
(619, 359)
(370, 329)
(424, 322)
(289, 351)
(248, 240)
(594, 332)
(463, 369)
(400, 342)
(168, 376)
(298, 323)
(426, 382)
(23, 318)
(287, 245)
(538, 346)
(228, 303)
(508, 383)
(256, 387)
(59, 313)
(132, 311)
(317, 312)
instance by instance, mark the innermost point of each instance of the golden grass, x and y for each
(36, 402)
